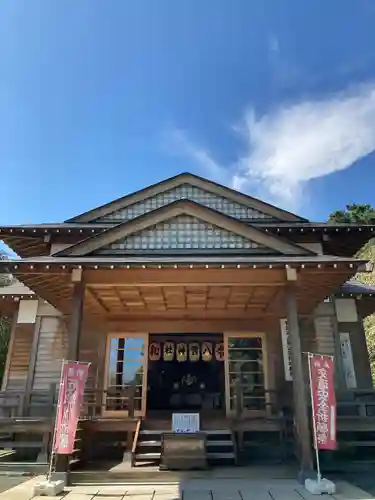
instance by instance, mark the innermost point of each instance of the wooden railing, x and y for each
(350, 403)
(43, 403)
(35, 404)
(96, 401)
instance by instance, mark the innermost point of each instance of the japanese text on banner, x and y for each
(324, 401)
(73, 381)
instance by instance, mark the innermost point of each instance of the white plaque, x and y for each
(185, 422)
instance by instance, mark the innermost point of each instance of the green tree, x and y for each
(358, 214)
(362, 214)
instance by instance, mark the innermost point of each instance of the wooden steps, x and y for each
(221, 447)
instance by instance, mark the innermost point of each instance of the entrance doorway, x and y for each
(186, 373)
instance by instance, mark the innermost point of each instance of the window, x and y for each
(246, 372)
(125, 375)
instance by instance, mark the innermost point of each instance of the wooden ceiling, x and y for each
(226, 300)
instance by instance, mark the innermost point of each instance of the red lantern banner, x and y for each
(323, 401)
(72, 386)
(154, 351)
(219, 351)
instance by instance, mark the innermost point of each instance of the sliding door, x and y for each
(126, 374)
(245, 373)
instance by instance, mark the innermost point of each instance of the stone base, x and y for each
(49, 488)
(324, 486)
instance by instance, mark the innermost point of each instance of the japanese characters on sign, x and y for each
(287, 351)
(219, 351)
(207, 351)
(181, 351)
(194, 351)
(154, 351)
(185, 422)
(168, 352)
(323, 400)
(72, 386)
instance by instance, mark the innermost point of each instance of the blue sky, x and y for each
(100, 98)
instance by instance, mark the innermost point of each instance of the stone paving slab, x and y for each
(191, 490)
(76, 496)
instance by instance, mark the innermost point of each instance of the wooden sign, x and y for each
(287, 351)
(154, 351)
(207, 351)
(219, 351)
(194, 351)
(181, 351)
(168, 352)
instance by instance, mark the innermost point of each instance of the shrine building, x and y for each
(186, 297)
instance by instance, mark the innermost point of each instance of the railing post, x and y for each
(132, 390)
(238, 396)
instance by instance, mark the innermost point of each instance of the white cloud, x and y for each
(305, 141)
(296, 143)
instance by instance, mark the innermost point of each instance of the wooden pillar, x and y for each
(62, 461)
(299, 392)
(76, 320)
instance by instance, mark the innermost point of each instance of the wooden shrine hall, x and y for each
(185, 296)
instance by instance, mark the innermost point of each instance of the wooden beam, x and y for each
(191, 277)
(76, 321)
(191, 326)
(299, 392)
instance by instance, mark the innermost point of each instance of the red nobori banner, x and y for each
(324, 401)
(72, 386)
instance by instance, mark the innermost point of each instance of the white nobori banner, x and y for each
(287, 352)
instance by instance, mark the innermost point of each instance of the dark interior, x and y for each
(186, 385)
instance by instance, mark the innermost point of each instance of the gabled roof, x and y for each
(354, 287)
(183, 207)
(194, 180)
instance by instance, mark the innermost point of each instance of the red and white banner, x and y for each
(72, 386)
(323, 400)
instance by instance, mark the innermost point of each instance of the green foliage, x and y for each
(357, 214)
(362, 214)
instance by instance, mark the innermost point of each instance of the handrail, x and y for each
(135, 442)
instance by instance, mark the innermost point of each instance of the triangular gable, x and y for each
(194, 188)
(183, 233)
(178, 223)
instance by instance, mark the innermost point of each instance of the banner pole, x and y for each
(49, 475)
(313, 418)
